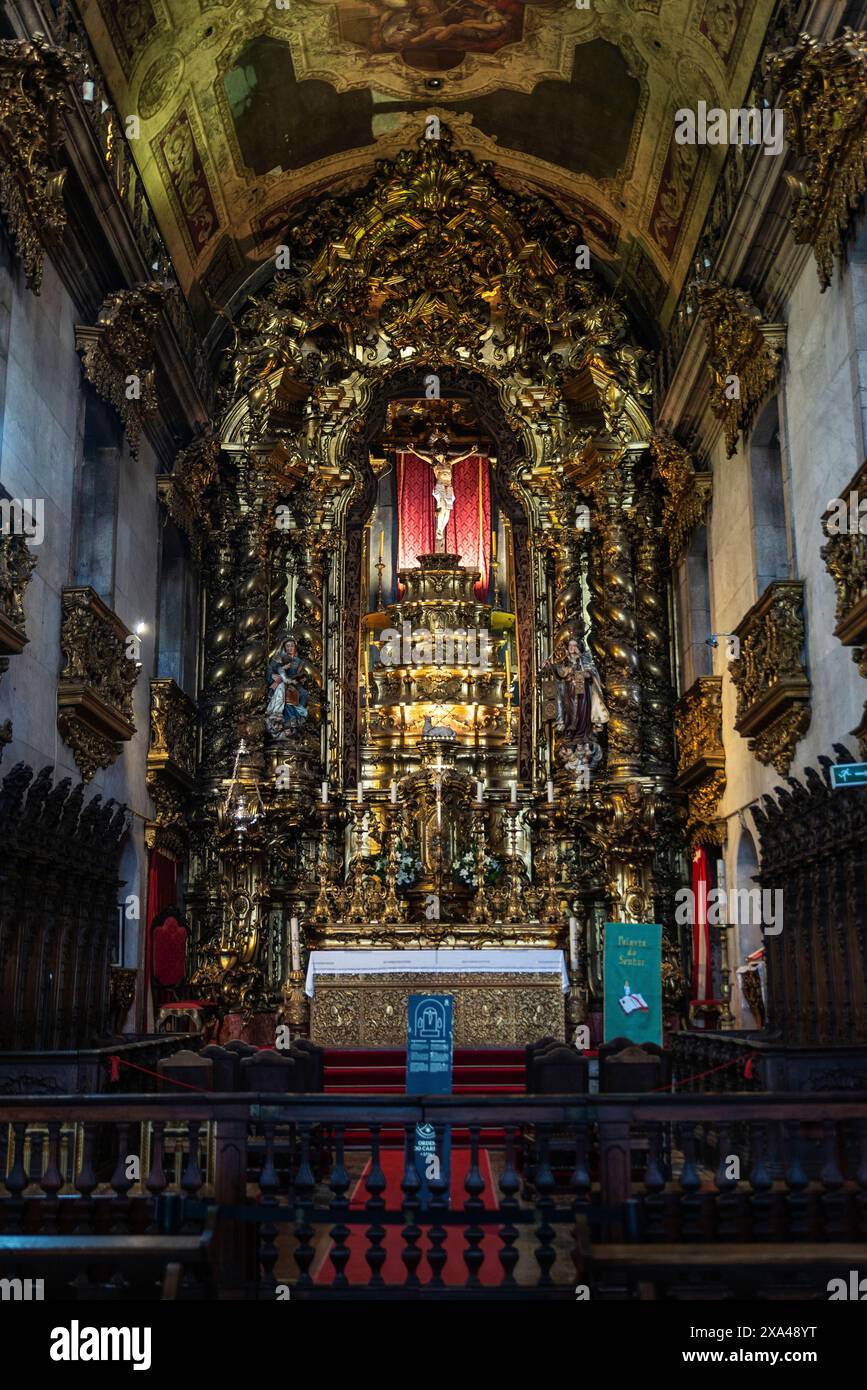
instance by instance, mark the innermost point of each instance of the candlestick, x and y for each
(294, 944)
(381, 541)
(508, 670)
(573, 944)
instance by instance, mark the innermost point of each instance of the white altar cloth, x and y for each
(517, 961)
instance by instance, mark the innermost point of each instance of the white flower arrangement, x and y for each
(408, 868)
(465, 870)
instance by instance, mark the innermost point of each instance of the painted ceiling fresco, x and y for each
(248, 109)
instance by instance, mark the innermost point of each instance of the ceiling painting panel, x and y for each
(248, 112)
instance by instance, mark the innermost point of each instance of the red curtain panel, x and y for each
(162, 893)
(701, 934)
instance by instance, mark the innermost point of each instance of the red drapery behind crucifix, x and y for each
(468, 533)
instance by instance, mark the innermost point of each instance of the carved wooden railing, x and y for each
(626, 1164)
(773, 690)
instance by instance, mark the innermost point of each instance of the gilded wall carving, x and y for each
(94, 692)
(701, 757)
(773, 709)
(744, 356)
(823, 88)
(34, 80)
(118, 353)
(845, 556)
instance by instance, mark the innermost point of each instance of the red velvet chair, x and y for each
(174, 1010)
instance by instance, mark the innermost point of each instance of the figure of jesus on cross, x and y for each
(443, 492)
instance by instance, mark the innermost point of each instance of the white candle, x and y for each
(480, 790)
(393, 792)
(513, 793)
(359, 793)
(324, 793)
(573, 943)
(550, 793)
(294, 944)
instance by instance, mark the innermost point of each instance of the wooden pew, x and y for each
(163, 1256)
(728, 1267)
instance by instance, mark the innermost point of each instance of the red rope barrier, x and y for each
(700, 1075)
(118, 1062)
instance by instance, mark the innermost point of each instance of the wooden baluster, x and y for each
(305, 1184)
(654, 1183)
(689, 1206)
(191, 1178)
(156, 1181)
(580, 1179)
(439, 1205)
(797, 1184)
(474, 1186)
(52, 1181)
(509, 1185)
(120, 1182)
(374, 1207)
(833, 1199)
(861, 1177)
(85, 1182)
(411, 1233)
(544, 1252)
(338, 1182)
(727, 1189)
(16, 1181)
(268, 1185)
(761, 1185)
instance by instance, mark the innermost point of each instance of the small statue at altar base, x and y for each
(580, 708)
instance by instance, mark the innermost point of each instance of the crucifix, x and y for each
(443, 493)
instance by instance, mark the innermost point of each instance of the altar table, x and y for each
(503, 997)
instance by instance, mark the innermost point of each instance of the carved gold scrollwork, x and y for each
(16, 566)
(743, 356)
(823, 90)
(118, 353)
(182, 490)
(687, 492)
(33, 82)
(773, 709)
(701, 757)
(171, 763)
(845, 556)
(94, 694)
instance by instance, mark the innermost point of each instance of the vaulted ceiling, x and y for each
(247, 109)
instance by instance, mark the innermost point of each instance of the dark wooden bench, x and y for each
(165, 1256)
(724, 1266)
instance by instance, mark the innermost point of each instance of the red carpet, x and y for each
(393, 1269)
(381, 1071)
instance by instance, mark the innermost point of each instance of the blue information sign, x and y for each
(429, 1044)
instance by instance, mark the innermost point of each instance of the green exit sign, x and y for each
(849, 775)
